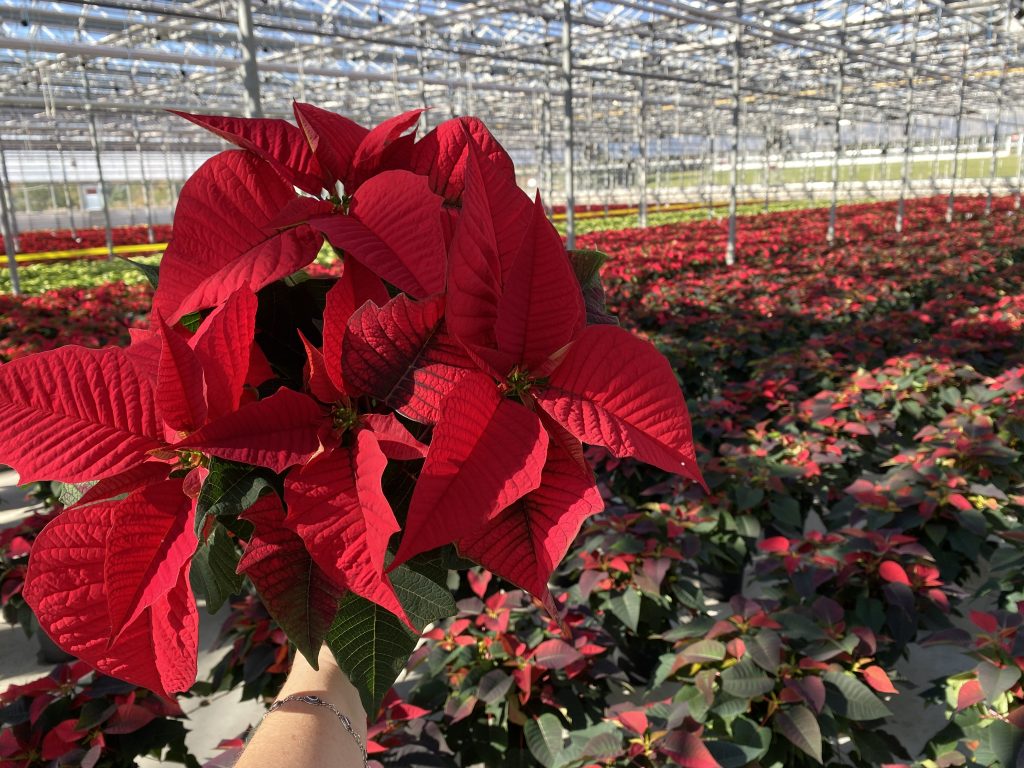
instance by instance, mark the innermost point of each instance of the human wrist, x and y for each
(329, 683)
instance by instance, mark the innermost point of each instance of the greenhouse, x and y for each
(561, 384)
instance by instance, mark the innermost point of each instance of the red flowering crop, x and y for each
(331, 438)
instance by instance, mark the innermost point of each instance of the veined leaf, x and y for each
(222, 240)
(213, 569)
(544, 738)
(402, 355)
(633, 408)
(528, 539)
(486, 452)
(371, 646)
(424, 600)
(850, 698)
(337, 507)
(229, 490)
(90, 412)
(746, 681)
(800, 726)
(276, 432)
(277, 141)
(66, 589)
(295, 590)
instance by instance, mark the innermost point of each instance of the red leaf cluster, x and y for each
(457, 335)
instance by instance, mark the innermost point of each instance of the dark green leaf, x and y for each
(851, 699)
(151, 271)
(424, 600)
(703, 651)
(800, 726)
(229, 490)
(746, 681)
(213, 569)
(764, 649)
(586, 263)
(544, 738)
(493, 686)
(626, 607)
(995, 680)
(192, 321)
(371, 646)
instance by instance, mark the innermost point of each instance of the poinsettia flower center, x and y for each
(344, 418)
(518, 382)
(191, 459)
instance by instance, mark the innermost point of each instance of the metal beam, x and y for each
(250, 69)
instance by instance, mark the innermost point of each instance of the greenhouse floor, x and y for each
(211, 719)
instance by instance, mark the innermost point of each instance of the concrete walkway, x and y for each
(211, 719)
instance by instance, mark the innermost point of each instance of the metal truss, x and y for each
(662, 81)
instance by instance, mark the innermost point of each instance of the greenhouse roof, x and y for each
(127, 60)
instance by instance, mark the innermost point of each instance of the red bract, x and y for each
(460, 334)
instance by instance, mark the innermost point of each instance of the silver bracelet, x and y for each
(316, 701)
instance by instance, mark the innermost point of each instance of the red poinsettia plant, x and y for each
(341, 442)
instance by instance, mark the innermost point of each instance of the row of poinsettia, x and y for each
(458, 315)
(630, 580)
(39, 241)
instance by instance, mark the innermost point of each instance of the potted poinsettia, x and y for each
(340, 442)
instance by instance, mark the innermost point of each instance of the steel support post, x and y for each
(996, 138)
(423, 126)
(250, 69)
(94, 139)
(708, 169)
(570, 196)
(547, 181)
(766, 176)
(907, 123)
(146, 198)
(642, 146)
(734, 150)
(10, 244)
(5, 192)
(1020, 169)
(959, 135)
(837, 135)
(67, 186)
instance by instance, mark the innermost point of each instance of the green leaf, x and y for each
(192, 321)
(800, 726)
(151, 271)
(213, 569)
(703, 651)
(747, 743)
(994, 681)
(493, 686)
(851, 699)
(748, 498)
(586, 263)
(544, 738)
(229, 490)
(424, 600)
(69, 493)
(626, 607)
(746, 681)
(764, 649)
(371, 646)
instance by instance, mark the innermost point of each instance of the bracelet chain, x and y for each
(316, 701)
